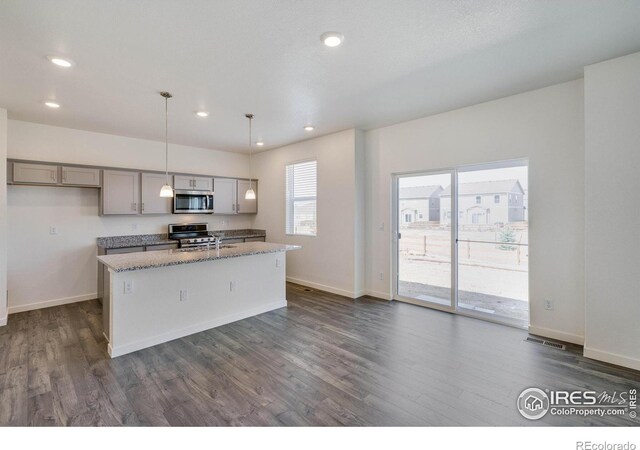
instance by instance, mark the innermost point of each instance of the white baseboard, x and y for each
(559, 335)
(378, 294)
(120, 350)
(324, 287)
(49, 303)
(612, 358)
(3, 320)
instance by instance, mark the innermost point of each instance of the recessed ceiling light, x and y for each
(60, 61)
(308, 128)
(259, 143)
(332, 38)
(52, 104)
(202, 114)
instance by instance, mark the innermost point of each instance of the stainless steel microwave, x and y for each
(192, 202)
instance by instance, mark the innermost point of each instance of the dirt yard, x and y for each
(497, 271)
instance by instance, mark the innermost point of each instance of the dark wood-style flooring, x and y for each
(324, 360)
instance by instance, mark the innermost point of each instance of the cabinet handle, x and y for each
(233, 207)
(238, 207)
(142, 206)
(133, 206)
(64, 175)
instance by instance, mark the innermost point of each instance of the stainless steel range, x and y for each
(192, 234)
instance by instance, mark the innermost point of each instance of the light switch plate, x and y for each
(128, 287)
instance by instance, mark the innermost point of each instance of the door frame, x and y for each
(395, 220)
(395, 230)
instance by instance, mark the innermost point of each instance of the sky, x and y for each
(519, 173)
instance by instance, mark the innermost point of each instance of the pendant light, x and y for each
(250, 194)
(167, 190)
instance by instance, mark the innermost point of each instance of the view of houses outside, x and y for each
(493, 247)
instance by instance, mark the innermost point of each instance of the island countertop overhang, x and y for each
(162, 258)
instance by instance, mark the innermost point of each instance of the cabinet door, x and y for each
(224, 196)
(80, 176)
(247, 206)
(35, 173)
(152, 203)
(120, 192)
(203, 184)
(153, 248)
(183, 183)
(119, 251)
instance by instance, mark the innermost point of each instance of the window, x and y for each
(496, 198)
(407, 218)
(302, 180)
(478, 199)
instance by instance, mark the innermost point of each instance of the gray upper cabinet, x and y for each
(80, 176)
(203, 184)
(224, 195)
(151, 202)
(35, 173)
(120, 192)
(189, 183)
(246, 206)
(182, 182)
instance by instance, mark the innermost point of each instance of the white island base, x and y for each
(155, 305)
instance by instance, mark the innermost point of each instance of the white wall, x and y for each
(612, 118)
(46, 269)
(545, 126)
(47, 143)
(327, 261)
(3, 217)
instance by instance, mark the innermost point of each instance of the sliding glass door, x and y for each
(425, 239)
(493, 243)
(485, 272)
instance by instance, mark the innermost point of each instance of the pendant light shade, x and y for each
(166, 190)
(250, 194)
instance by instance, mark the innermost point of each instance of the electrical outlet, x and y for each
(184, 295)
(134, 227)
(381, 276)
(53, 230)
(381, 227)
(128, 287)
(224, 222)
(232, 286)
(278, 264)
(548, 305)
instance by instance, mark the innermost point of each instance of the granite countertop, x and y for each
(162, 258)
(140, 240)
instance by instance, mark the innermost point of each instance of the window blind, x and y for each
(302, 180)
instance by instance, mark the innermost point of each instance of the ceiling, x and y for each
(400, 60)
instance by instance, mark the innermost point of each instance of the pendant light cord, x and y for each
(166, 138)
(250, 117)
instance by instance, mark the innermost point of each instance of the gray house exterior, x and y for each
(486, 203)
(420, 204)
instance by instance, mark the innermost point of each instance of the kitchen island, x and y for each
(158, 296)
